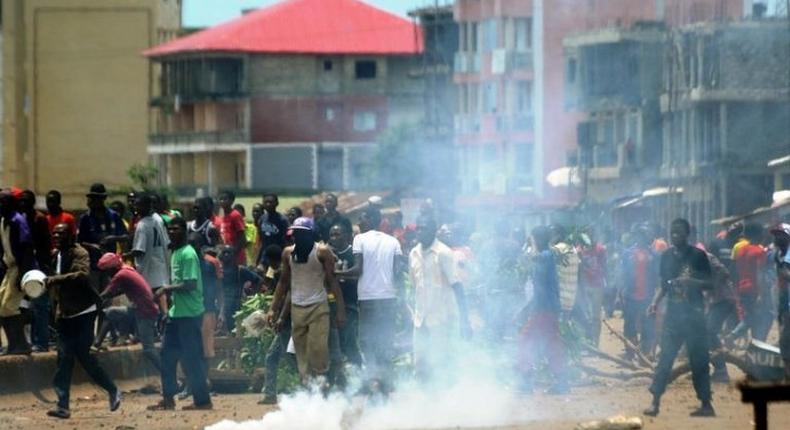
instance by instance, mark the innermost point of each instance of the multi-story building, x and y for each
(76, 90)
(614, 77)
(726, 110)
(512, 128)
(292, 96)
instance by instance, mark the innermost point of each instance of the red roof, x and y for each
(305, 27)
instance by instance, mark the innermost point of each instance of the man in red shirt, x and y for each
(592, 277)
(750, 259)
(231, 227)
(57, 215)
(639, 273)
(126, 280)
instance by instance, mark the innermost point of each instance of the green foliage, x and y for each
(143, 176)
(254, 348)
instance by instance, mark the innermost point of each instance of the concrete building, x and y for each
(726, 110)
(290, 97)
(76, 90)
(512, 128)
(614, 78)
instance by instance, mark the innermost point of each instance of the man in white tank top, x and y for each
(307, 270)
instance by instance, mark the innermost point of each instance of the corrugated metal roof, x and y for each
(306, 27)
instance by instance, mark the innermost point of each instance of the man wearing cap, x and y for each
(16, 248)
(100, 230)
(307, 267)
(76, 314)
(125, 280)
(781, 235)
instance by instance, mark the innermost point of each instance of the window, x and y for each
(523, 34)
(571, 72)
(365, 69)
(330, 113)
(328, 65)
(523, 159)
(523, 97)
(364, 121)
(490, 36)
(473, 39)
(490, 98)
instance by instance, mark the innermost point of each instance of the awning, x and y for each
(661, 191)
(563, 177)
(629, 202)
(779, 161)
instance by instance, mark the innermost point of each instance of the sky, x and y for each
(203, 13)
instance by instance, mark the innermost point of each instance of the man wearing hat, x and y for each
(16, 258)
(307, 267)
(781, 235)
(100, 229)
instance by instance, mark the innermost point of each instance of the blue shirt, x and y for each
(91, 230)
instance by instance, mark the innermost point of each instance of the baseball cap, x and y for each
(303, 223)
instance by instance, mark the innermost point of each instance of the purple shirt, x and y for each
(19, 236)
(131, 283)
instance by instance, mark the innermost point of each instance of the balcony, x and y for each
(216, 137)
(508, 61)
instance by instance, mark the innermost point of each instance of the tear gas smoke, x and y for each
(478, 397)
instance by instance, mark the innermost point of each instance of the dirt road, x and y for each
(597, 399)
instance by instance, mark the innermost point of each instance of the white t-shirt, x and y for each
(150, 238)
(378, 255)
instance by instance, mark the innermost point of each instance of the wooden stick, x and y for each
(642, 359)
(597, 352)
(624, 376)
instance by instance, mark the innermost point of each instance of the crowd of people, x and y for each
(344, 292)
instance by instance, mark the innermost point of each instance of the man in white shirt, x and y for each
(439, 314)
(149, 247)
(378, 259)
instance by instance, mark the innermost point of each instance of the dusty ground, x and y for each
(596, 400)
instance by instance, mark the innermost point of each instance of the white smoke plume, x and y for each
(477, 398)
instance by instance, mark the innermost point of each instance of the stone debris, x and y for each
(620, 422)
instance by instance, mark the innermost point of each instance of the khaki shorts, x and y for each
(208, 329)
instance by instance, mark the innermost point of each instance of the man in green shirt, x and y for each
(182, 340)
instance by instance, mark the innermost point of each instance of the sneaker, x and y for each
(115, 400)
(652, 411)
(268, 399)
(184, 394)
(37, 348)
(706, 410)
(163, 405)
(59, 413)
(193, 407)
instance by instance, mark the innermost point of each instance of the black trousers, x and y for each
(183, 342)
(75, 337)
(684, 325)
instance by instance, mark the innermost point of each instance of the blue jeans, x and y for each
(349, 342)
(146, 332)
(377, 319)
(75, 337)
(39, 327)
(684, 326)
(183, 342)
(273, 356)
